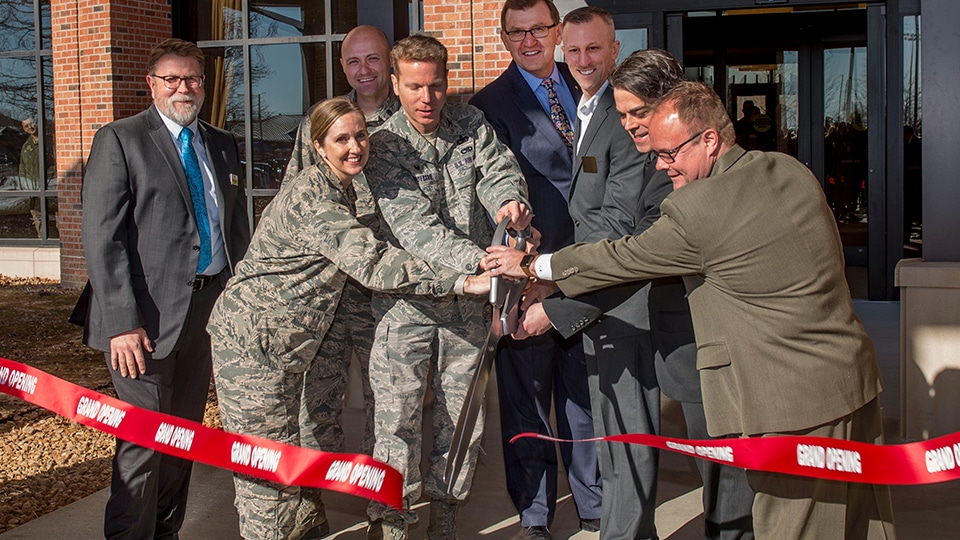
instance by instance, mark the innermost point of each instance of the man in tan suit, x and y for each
(780, 349)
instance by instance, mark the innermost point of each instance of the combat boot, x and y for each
(443, 520)
(311, 518)
(389, 527)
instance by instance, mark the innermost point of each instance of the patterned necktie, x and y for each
(560, 120)
(191, 166)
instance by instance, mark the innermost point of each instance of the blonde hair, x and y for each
(418, 48)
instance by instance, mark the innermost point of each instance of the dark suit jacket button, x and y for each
(196, 248)
(190, 283)
(576, 223)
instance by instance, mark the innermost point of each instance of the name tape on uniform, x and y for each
(924, 462)
(354, 474)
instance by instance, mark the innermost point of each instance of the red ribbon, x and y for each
(925, 462)
(354, 474)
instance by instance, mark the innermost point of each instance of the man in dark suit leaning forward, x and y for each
(164, 221)
(780, 349)
(532, 107)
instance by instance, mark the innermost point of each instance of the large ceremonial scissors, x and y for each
(505, 298)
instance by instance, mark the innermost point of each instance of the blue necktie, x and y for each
(191, 166)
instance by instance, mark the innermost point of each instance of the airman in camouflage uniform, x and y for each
(368, 48)
(304, 155)
(438, 173)
(270, 325)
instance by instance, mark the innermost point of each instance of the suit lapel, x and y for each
(165, 146)
(599, 114)
(219, 170)
(596, 120)
(540, 120)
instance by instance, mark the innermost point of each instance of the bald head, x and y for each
(365, 59)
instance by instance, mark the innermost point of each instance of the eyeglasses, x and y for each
(669, 156)
(172, 82)
(538, 32)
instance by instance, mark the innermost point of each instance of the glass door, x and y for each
(845, 143)
(796, 82)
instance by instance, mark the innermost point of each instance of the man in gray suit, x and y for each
(164, 222)
(605, 195)
(780, 349)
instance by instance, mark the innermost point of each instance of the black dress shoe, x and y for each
(536, 532)
(590, 525)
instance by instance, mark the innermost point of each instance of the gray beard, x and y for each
(182, 118)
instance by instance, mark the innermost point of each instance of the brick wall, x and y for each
(99, 50)
(470, 31)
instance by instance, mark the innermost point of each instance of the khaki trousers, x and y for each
(794, 507)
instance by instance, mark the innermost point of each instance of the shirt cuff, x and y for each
(542, 267)
(458, 286)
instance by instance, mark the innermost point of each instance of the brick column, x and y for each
(99, 53)
(470, 31)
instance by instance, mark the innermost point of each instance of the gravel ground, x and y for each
(47, 461)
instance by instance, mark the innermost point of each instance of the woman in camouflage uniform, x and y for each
(269, 325)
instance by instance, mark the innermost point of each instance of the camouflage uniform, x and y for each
(438, 201)
(358, 324)
(268, 327)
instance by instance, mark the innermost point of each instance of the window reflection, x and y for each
(344, 16)
(259, 204)
(275, 19)
(20, 217)
(52, 230)
(631, 39)
(912, 137)
(48, 128)
(340, 84)
(16, 25)
(224, 86)
(283, 57)
(215, 19)
(845, 132)
(289, 77)
(21, 162)
(18, 90)
(763, 103)
(45, 32)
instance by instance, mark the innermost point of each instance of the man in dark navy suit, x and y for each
(532, 107)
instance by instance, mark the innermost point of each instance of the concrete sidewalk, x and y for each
(928, 512)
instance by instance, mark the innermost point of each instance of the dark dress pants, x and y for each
(727, 495)
(530, 374)
(148, 489)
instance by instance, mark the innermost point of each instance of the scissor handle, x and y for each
(501, 237)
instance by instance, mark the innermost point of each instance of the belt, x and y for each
(202, 281)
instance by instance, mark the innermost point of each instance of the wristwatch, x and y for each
(525, 263)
